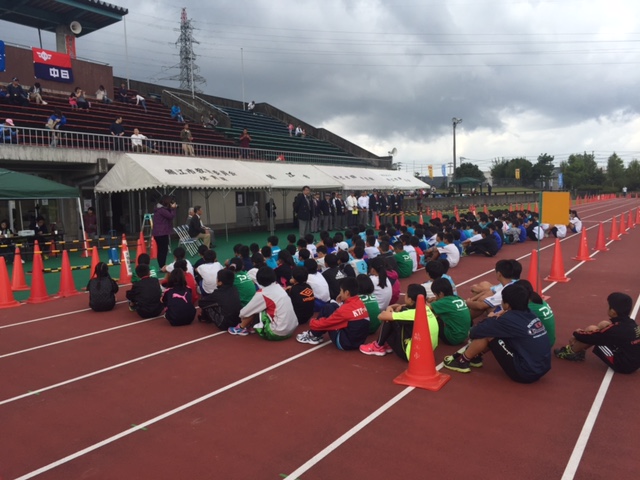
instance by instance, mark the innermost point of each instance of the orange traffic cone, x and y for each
(614, 230)
(154, 245)
(125, 263)
(557, 265)
(402, 220)
(53, 249)
(142, 247)
(511, 207)
(38, 287)
(18, 282)
(67, 286)
(421, 220)
(95, 260)
(534, 274)
(536, 208)
(485, 209)
(601, 245)
(632, 224)
(529, 207)
(422, 371)
(85, 252)
(6, 295)
(583, 249)
(623, 226)
(457, 214)
(637, 216)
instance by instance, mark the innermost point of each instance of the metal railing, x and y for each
(43, 137)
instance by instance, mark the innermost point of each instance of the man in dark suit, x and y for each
(197, 228)
(303, 208)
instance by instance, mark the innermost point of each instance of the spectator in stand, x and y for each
(90, 223)
(101, 95)
(117, 131)
(123, 93)
(251, 106)
(163, 217)
(209, 122)
(35, 94)
(290, 128)
(77, 99)
(141, 101)
(298, 131)
(4, 95)
(54, 122)
(138, 142)
(176, 114)
(187, 141)
(245, 142)
(16, 94)
(8, 134)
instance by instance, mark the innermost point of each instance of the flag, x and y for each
(430, 171)
(444, 169)
(517, 174)
(3, 65)
(54, 66)
(560, 181)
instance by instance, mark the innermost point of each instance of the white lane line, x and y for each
(179, 409)
(78, 337)
(106, 369)
(50, 317)
(589, 423)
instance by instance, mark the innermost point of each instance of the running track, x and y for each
(106, 396)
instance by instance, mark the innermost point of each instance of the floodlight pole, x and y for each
(455, 122)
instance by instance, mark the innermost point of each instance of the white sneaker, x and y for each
(308, 337)
(44, 103)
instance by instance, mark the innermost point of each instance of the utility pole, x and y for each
(455, 122)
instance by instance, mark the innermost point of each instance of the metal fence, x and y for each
(43, 137)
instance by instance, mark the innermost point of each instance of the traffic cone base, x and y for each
(125, 263)
(583, 249)
(557, 266)
(422, 371)
(18, 282)
(6, 295)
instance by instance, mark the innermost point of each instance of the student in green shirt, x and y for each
(542, 310)
(454, 317)
(246, 287)
(365, 292)
(143, 259)
(403, 259)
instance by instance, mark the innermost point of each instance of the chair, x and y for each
(184, 239)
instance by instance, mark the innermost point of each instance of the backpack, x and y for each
(392, 275)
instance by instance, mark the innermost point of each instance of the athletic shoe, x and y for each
(373, 349)
(566, 353)
(308, 337)
(387, 348)
(476, 361)
(453, 362)
(238, 330)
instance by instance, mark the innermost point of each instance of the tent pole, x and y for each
(224, 209)
(81, 217)
(20, 213)
(110, 213)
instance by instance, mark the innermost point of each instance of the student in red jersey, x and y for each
(348, 325)
(615, 341)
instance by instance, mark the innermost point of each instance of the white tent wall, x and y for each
(215, 206)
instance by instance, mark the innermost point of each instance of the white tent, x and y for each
(140, 172)
(353, 178)
(401, 180)
(292, 175)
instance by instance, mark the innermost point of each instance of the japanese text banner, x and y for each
(54, 66)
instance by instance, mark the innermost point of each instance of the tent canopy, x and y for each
(466, 181)
(16, 186)
(292, 175)
(401, 180)
(141, 172)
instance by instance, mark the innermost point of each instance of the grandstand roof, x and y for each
(48, 14)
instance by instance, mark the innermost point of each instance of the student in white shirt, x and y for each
(575, 224)
(137, 142)
(317, 283)
(209, 272)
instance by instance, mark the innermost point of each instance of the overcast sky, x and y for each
(526, 77)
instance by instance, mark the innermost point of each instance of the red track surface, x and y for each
(480, 425)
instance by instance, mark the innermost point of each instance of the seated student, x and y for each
(445, 264)
(486, 246)
(272, 241)
(403, 260)
(558, 231)
(143, 258)
(575, 224)
(449, 251)
(344, 263)
(347, 325)
(179, 253)
(301, 257)
(523, 231)
(542, 310)
(254, 248)
(614, 341)
(177, 300)
(452, 313)
(406, 244)
(474, 237)
(495, 232)
(534, 230)
(322, 252)
(365, 292)
(190, 279)
(268, 257)
(382, 288)
(245, 255)
(333, 275)
(434, 271)
(512, 234)
(301, 295)
(208, 271)
(486, 297)
(243, 283)
(258, 262)
(223, 306)
(397, 327)
(387, 253)
(284, 268)
(318, 284)
(310, 245)
(270, 311)
(200, 261)
(102, 289)
(359, 264)
(517, 339)
(144, 296)
(291, 239)
(371, 250)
